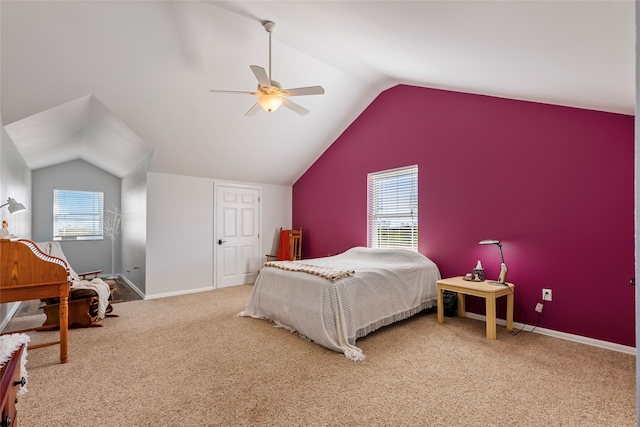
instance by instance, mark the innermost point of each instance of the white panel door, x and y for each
(237, 235)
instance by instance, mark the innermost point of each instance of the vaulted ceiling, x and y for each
(151, 64)
(80, 129)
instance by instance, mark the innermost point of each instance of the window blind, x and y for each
(393, 208)
(77, 215)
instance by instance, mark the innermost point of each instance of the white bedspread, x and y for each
(388, 285)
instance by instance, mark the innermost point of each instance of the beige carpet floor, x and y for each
(190, 361)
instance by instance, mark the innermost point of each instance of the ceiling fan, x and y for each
(270, 93)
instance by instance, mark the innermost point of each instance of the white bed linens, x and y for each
(389, 285)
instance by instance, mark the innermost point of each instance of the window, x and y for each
(77, 215)
(393, 208)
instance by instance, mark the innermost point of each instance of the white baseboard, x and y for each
(132, 286)
(12, 310)
(563, 335)
(173, 294)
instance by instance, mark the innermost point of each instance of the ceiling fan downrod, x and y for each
(270, 93)
(270, 28)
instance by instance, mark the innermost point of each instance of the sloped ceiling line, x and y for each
(153, 63)
(80, 129)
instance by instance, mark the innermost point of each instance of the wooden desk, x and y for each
(28, 274)
(478, 289)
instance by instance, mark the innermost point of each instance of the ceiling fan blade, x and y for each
(253, 111)
(311, 90)
(233, 91)
(294, 107)
(261, 75)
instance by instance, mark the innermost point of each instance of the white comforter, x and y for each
(388, 285)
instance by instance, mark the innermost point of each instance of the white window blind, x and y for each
(393, 208)
(77, 215)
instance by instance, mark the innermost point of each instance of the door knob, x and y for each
(220, 241)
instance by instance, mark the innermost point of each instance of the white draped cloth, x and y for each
(98, 285)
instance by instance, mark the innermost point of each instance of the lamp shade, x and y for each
(503, 266)
(489, 242)
(269, 103)
(13, 206)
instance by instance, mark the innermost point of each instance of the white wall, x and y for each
(134, 225)
(15, 181)
(179, 234)
(277, 213)
(180, 230)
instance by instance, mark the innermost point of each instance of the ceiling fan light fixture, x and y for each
(269, 103)
(270, 94)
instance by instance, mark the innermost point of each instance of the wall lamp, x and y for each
(14, 207)
(503, 267)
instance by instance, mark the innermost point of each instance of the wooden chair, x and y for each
(289, 246)
(83, 302)
(83, 307)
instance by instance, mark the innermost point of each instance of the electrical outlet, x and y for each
(546, 294)
(539, 307)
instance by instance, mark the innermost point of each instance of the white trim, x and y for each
(384, 205)
(214, 242)
(177, 293)
(562, 335)
(132, 286)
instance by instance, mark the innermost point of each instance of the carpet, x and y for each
(189, 360)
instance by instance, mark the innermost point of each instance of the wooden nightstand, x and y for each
(479, 289)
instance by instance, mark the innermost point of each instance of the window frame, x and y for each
(86, 206)
(381, 206)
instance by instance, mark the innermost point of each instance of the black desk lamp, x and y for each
(503, 267)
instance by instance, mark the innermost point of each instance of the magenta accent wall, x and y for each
(555, 184)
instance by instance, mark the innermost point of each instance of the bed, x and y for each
(335, 300)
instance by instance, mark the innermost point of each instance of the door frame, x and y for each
(214, 240)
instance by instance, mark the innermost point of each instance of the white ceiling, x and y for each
(152, 63)
(80, 129)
